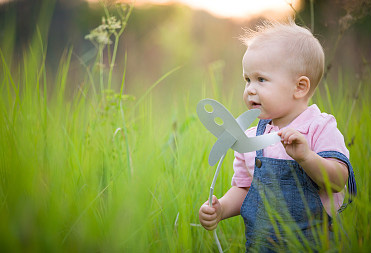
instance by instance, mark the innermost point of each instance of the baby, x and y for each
(285, 183)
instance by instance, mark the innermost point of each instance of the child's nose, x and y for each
(250, 89)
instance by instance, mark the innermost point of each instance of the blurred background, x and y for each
(199, 36)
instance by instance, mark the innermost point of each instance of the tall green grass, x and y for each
(104, 172)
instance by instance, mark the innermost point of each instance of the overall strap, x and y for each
(260, 131)
(352, 186)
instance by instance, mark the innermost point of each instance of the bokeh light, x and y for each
(237, 9)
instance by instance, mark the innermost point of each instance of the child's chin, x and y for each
(262, 116)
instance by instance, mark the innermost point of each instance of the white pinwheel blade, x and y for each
(247, 118)
(221, 146)
(251, 144)
(218, 111)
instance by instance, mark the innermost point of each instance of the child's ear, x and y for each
(302, 87)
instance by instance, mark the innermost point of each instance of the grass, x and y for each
(107, 173)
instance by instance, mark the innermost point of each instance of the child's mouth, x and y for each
(255, 105)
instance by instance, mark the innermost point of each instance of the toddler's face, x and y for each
(270, 84)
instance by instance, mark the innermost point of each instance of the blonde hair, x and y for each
(304, 52)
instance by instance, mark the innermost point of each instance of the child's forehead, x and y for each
(272, 51)
(267, 43)
(265, 60)
(264, 52)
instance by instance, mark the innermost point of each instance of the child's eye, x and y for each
(261, 79)
(247, 79)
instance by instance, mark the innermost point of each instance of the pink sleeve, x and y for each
(327, 137)
(241, 177)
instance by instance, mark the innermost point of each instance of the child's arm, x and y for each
(229, 205)
(297, 147)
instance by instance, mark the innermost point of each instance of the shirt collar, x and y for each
(301, 123)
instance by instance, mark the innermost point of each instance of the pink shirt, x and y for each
(321, 133)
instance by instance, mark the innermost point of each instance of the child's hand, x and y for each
(295, 144)
(210, 216)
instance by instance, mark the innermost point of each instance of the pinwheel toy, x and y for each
(231, 134)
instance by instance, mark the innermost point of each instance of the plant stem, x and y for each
(311, 16)
(112, 64)
(117, 38)
(101, 69)
(128, 157)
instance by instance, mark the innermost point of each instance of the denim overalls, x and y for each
(282, 193)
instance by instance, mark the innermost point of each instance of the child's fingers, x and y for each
(289, 138)
(205, 208)
(208, 214)
(288, 135)
(208, 217)
(292, 138)
(214, 200)
(209, 225)
(208, 220)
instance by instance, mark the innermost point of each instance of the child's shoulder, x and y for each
(313, 120)
(324, 134)
(324, 127)
(323, 120)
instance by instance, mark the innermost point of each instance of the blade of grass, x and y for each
(148, 91)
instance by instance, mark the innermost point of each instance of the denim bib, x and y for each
(282, 193)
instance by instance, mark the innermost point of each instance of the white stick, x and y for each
(217, 241)
(211, 200)
(214, 181)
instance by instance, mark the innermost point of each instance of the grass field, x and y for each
(103, 172)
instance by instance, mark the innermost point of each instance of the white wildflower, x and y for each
(103, 32)
(113, 24)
